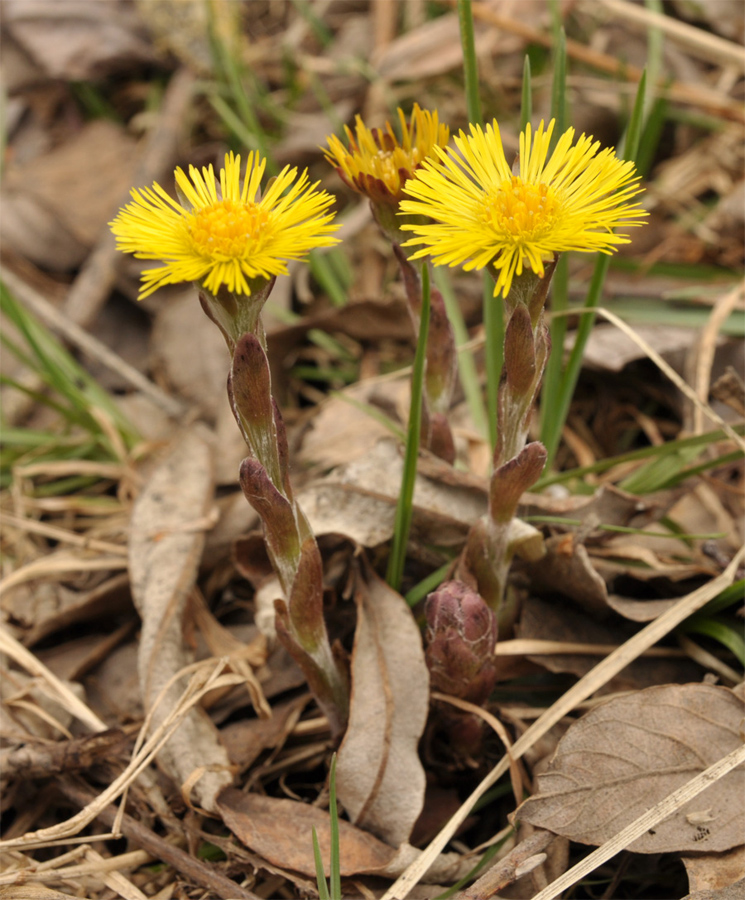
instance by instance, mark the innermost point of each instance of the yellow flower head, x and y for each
(486, 216)
(377, 164)
(226, 235)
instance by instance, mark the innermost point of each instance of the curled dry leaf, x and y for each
(280, 830)
(380, 780)
(359, 500)
(625, 756)
(166, 541)
(568, 565)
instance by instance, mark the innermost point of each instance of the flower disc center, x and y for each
(521, 209)
(227, 228)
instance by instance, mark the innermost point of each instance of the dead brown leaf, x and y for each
(280, 830)
(733, 892)
(714, 871)
(77, 40)
(379, 778)
(567, 567)
(166, 541)
(621, 758)
(55, 206)
(542, 620)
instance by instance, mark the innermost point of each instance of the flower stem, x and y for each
(404, 509)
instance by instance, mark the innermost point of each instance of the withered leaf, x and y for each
(166, 541)
(280, 830)
(625, 756)
(733, 892)
(379, 778)
(714, 871)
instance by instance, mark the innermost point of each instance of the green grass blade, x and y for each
(561, 403)
(427, 585)
(735, 593)
(323, 891)
(700, 440)
(334, 861)
(727, 634)
(550, 405)
(374, 412)
(61, 372)
(327, 275)
(636, 122)
(404, 508)
(559, 84)
(526, 100)
(470, 64)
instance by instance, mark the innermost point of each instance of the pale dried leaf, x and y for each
(380, 779)
(166, 541)
(359, 500)
(625, 756)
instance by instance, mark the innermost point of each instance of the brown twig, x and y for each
(43, 760)
(216, 884)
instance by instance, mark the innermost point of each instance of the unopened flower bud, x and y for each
(461, 636)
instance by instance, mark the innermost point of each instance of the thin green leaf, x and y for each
(562, 402)
(699, 440)
(470, 64)
(728, 635)
(328, 277)
(334, 861)
(526, 99)
(323, 891)
(559, 83)
(374, 412)
(427, 585)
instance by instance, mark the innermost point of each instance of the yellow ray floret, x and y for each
(224, 234)
(377, 163)
(484, 215)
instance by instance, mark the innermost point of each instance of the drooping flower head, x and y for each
(377, 163)
(224, 234)
(484, 215)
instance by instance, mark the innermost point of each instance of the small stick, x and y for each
(216, 884)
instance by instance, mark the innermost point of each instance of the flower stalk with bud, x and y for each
(461, 636)
(232, 243)
(482, 214)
